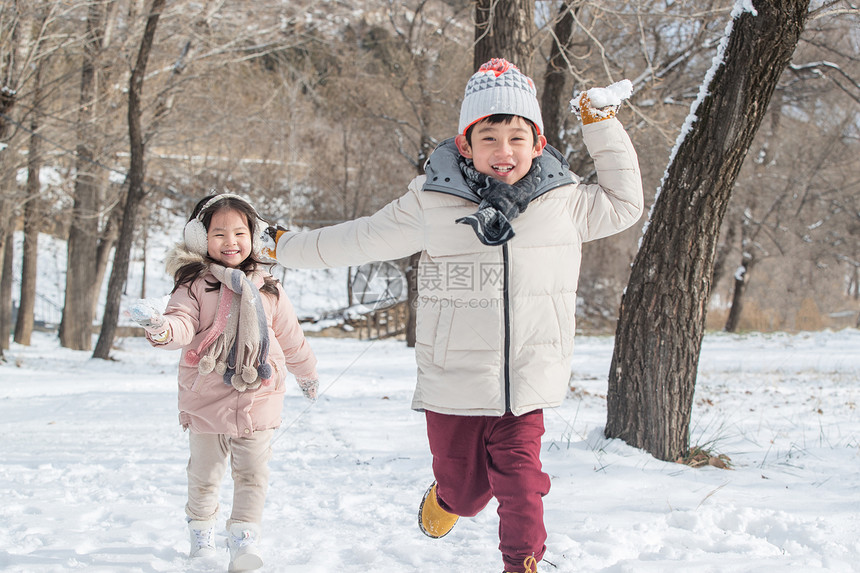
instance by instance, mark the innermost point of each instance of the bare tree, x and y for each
(556, 73)
(13, 24)
(9, 73)
(6, 296)
(314, 87)
(32, 217)
(82, 269)
(505, 30)
(661, 325)
(24, 48)
(135, 180)
(422, 103)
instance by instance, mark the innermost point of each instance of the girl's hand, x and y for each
(146, 315)
(310, 387)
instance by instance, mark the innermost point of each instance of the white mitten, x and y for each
(310, 387)
(145, 314)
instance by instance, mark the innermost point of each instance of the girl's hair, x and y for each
(187, 274)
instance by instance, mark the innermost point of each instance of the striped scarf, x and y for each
(237, 345)
(500, 202)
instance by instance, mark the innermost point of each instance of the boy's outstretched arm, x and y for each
(393, 232)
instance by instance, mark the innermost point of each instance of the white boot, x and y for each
(202, 537)
(243, 540)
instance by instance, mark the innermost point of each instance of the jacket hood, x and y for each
(444, 175)
(179, 256)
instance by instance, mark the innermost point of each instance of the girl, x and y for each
(239, 336)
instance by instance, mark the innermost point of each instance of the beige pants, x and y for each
(249, 459)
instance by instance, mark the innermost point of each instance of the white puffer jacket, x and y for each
(495, 325)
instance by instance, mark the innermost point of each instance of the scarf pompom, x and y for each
(238, 383)
(192, 358)
(249, 374)
(265, 371)
(206, 365)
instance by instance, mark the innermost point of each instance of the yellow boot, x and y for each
(530, 563)
(434, 521)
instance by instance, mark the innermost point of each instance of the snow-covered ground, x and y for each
(92, 472)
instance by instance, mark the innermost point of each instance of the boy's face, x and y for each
(503, 151)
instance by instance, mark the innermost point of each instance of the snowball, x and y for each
(610, 95)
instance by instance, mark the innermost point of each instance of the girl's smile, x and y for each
(228, 237)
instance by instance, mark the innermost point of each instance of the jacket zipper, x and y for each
(507, 315)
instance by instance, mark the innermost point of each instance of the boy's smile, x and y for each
(503, 151)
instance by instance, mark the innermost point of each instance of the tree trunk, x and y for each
(32, 220)
(412, 299)
(81, 271)
(425, 150)
(750, 227)
(349, 277)
(856, 281)
(740, 283)
(6, 252)
(136, 175)
(105, 245)
(504, 30)
(32, 224)
(661, 325)
(143, 267)
(553, 100)
(6, 294)
(27, 304)
(721, 256)
(8, 99)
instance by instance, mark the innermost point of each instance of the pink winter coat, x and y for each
(206, 404)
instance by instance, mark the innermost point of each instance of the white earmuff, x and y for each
(195, 232)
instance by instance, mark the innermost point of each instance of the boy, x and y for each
(499, 221)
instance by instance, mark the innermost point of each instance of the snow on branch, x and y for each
(818, 68)
(741, 7)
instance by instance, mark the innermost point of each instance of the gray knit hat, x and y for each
(498, 87)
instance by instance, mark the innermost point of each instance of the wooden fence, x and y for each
(383, 323)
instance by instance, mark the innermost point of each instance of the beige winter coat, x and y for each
(206, 404)
(495, 325)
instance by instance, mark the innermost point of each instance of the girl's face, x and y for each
(228, 237)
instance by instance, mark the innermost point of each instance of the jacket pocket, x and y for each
(466, 329)
(275, 382)
(428, 311)
(190, 380)
(279, 376)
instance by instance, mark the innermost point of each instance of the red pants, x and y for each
(476, 458)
